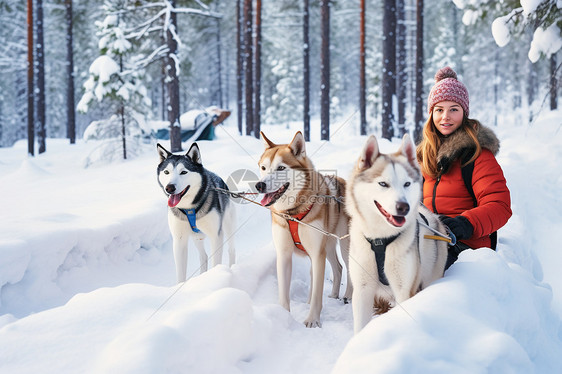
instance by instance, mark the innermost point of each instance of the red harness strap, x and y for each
(294, 228)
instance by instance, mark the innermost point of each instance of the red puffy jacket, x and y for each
(451, 197)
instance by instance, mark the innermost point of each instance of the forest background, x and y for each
(250, 58)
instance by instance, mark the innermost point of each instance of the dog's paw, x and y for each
(312, 322)
(198, 236)
(334, 296)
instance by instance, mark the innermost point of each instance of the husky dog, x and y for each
(392, 260)
(195, 208)
(292, 186)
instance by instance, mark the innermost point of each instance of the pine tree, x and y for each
(248, 67)
(325, 71)
(389, 68)
(71, 119)
(116, 76)
(257, 71)
(306, 69)
(362, 83)
(30, 85)
(41, 126)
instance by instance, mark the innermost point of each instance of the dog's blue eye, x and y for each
(166, 172)
(383, 184)
(281, 168)
(183, 172)
(407, 184)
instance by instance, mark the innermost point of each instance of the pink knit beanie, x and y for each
(448, 88)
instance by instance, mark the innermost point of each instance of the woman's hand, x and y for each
(460, 226)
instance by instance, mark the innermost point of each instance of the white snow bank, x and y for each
(484, 316)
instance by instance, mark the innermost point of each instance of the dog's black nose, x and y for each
(170, 188)
(402, 208)
(260, 186)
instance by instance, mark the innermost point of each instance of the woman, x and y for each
(452, 141)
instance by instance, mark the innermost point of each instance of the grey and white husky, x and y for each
(195, 208)
(391, 259)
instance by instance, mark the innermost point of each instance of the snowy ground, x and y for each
(87, 276)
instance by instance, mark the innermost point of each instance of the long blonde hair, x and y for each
(432, 140)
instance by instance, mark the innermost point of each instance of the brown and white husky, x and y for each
(292, 186)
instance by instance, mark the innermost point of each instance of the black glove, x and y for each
(459, 225)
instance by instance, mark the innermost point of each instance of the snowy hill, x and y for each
(87, 280)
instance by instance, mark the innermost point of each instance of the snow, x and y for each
(87, 279)
(96, 85)
(104, 67)
(546, 42)
(530, 6)
(500, 30)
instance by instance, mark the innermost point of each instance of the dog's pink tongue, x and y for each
(266, 199)
(397, 221)
(174, 200)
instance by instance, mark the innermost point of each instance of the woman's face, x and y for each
(447, 117)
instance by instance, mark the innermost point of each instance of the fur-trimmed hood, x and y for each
(459, 145)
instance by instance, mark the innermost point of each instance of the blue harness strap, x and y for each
(191, 217)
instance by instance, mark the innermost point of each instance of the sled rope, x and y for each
(280, 214)
(339, 199)
(283, 215)
(450, 239)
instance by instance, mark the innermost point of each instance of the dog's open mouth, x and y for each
(272, 197)
(397, 221)
(174, 200)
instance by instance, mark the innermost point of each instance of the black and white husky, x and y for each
(391, 258)
(195, 208)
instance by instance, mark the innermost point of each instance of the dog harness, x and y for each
(191, 217)
(379, 247)
(294, 228)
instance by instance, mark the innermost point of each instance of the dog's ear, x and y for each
(409, 150)
(266, 142)
(369, 154)
(297, 145)
(162, 152)
(194, 154)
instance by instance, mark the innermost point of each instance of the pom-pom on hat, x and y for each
(447, 88)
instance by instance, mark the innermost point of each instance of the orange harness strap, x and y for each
(294, 228)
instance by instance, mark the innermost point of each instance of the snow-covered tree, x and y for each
(116, 76)
(544, 17)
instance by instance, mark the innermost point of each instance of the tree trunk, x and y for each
(257, 67)
(173, 86)
(219, 67)
(362, 84)
(418, 116)
(122, 115)
(70, 111)
(306, 72)
(553, 83)
(30, 96)
(531, 88)
(123, 130)
(41, 117)
(496, 83)
(239, 65)
(389, 66)
(248, 66)
(164, 95)
(401, 74)
(325, 71)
